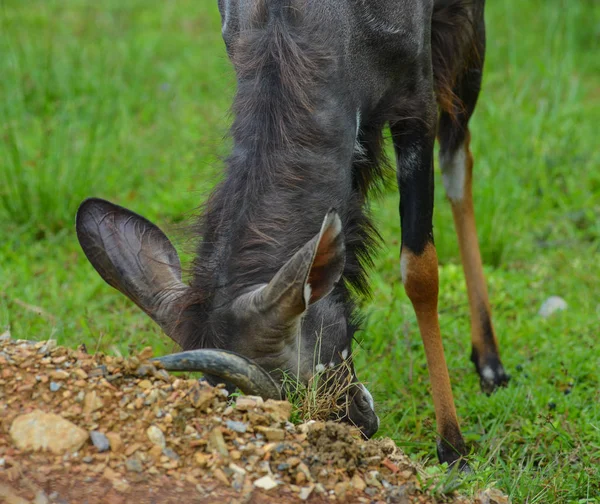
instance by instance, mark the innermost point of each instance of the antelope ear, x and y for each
(135, 257)
(310, 274)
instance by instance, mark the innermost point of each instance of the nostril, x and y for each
(366, 396)
(364, 404)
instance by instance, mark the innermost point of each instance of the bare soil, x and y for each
(160, 438)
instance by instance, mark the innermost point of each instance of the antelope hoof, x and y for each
(491, 373)
(491, 379)
(452, 457)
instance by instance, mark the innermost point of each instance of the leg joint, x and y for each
(420, 277)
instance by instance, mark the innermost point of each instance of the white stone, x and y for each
(305, 492)
(552, 305)
(156, 436)
(266, 483)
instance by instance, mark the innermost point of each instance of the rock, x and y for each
(279, 410)
(372, 479)
(358, 483)
(201, 459)
(145, 370)
(146, 353)
(46, 431)
(240, 427)
(266, 483)
(169, 452)
(552, 305)
(305, 492)
(80, 373)
(58, 375)
(5, 336)
(40, 498)
(319, 488)
(99, 371)
(134, 465)
(303, 469)
(237, 469)
(132, 448)
(304, 428)
(120, 485)
(237, 482)
(116, 445)
(54, 387)
(217, 443)
(221, 476)
(398, 495)
(162, 374)
(100, 441)
(145, 384)
(201, 397)
(272, 433)
(91, 402)
(492, 496)
(407, 474)
(156, 436)
(47, 347)
(245, 403)
(152, 397)
(340, 489)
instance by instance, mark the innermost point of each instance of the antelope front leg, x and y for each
(414, 151)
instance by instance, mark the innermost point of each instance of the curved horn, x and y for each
(245, 374)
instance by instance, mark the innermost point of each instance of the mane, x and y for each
(279, 179)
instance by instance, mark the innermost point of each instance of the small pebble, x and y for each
(134, 465)
(156, 436)
(54, 387)
(169, 452)
(240, 427)
(145, 370)
(305, 492)
(100, 441)
(266, 483)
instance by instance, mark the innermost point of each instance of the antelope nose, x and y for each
(361, 412)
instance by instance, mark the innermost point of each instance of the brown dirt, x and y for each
(216, 449)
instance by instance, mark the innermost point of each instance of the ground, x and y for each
(129, 101)
(81, 428)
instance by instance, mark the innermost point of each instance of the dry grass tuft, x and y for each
(325, 397)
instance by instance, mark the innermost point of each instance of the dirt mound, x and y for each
(81, 428)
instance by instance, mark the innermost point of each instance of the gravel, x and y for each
(139, 432)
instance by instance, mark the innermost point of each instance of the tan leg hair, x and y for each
(420, 278)
(458, 173)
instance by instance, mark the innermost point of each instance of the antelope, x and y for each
(286, 235)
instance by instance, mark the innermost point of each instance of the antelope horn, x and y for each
(245, 374)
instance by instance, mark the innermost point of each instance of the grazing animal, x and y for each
(285, 235)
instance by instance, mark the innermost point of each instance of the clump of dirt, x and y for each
(131, 432)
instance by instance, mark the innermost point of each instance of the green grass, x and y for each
(129, 101)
